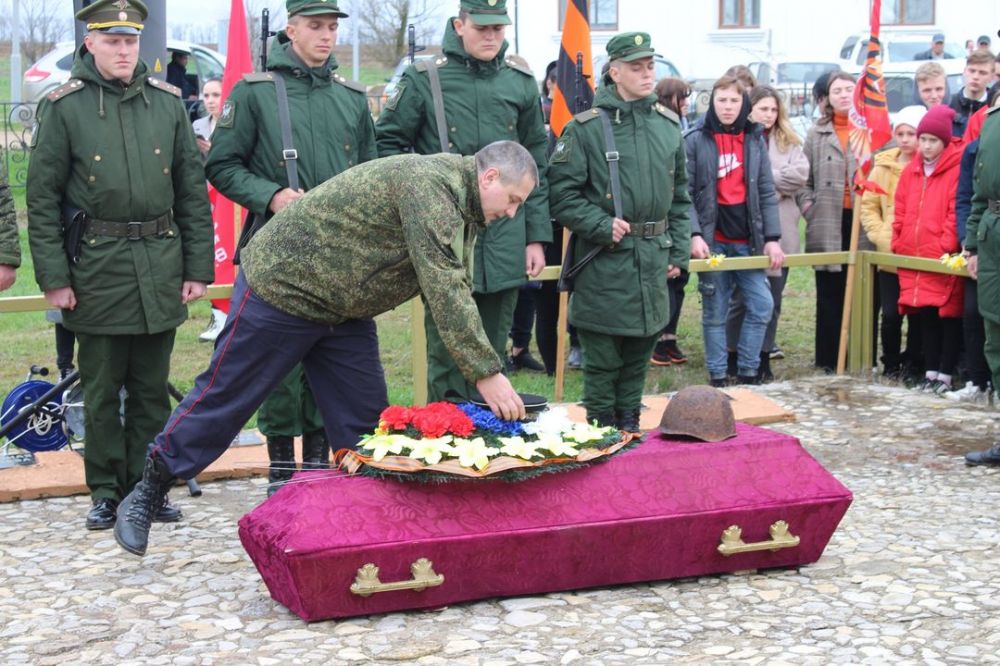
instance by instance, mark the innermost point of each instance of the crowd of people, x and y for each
(459, 193)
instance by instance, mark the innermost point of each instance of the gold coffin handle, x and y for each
(367, 582)
(732, 542)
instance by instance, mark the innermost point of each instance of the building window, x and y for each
(603, 14)
(739, 13)
(908, 12)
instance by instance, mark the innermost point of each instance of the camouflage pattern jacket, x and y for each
(10, 249)
(372, 238)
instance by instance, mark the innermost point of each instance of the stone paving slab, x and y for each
(910, 577)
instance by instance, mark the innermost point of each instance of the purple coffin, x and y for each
(656, 512)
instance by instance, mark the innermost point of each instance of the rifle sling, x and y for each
(438, 98)
(289, 155)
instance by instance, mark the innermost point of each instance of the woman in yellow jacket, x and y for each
(876, 218)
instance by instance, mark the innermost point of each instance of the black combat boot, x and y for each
(315, 450)
(135, 513)
(168, 513)
(281, 452)
(628, 421)
(102, 514)
(764, 374)
(602, 419)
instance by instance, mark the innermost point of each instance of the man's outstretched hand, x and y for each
(501, 397)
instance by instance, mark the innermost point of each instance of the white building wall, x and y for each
(687, 32)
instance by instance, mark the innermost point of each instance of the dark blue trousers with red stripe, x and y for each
(257, 348)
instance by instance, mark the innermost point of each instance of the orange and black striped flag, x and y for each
(573, 93)
(869, 117)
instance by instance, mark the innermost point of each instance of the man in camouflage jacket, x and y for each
(358, 245)
(332, 131)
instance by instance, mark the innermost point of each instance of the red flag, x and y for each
(869, 117)
(573, 95)
(227, 216)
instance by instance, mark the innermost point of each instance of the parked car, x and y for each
(397, 74)
(664, 67)
(897, 46)
(52, 70)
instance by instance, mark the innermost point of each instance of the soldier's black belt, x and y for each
(129, 230)
(648, 229)
(995, 206)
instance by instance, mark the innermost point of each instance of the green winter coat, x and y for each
(372, 238)
(121, 154)
(982, 229)
(623, 291)
(10, 248)
(484, 102)
(331, 129)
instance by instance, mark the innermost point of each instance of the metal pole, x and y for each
(15, 55)
(153, 43)
(355, 38)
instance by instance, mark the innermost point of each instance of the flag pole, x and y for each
(845, 319)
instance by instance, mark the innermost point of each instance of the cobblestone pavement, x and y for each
(911, 576)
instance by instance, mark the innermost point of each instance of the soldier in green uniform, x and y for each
(472, 95)
(120, 232)
(982, 242)
(358, 245)
(10, 248)
(619, 302)
(329, 129)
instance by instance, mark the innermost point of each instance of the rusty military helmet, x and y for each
(701, 412)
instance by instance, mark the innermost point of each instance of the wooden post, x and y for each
(419, 352)
(561, 331)
(845, 321)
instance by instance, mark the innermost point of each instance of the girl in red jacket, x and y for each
(925, 227)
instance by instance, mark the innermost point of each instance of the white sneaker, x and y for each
(215, 325)
(969, 393)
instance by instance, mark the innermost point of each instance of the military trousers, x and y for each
(614, 371)
(117, 434)
(497, 314)
(291, 409)
(257, 348)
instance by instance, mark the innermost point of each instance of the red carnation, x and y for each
(440, 418)
(396, 417)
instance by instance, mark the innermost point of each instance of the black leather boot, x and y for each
(602, 419)
(135, 513)
(168, 513)
(281, 452)
(764, 374)
(731, 365)
(315, 450)
(628, 421)
(102, 514)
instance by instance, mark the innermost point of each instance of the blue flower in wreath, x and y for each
(484, 419)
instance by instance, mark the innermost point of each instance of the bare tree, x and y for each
(43, 23)
(384, 23)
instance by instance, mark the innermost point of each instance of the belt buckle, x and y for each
(290, 154)
(611, 156)
(134, 231)
(648, 229)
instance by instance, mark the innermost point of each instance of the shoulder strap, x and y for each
(258, 77)
(70, 86)
(288, 152)
(438, 99)
(164, 86)
(611, 155)
(349, 84)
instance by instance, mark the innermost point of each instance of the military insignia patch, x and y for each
(638, 40)
(560, 154)
(228, 115)
(390, 104)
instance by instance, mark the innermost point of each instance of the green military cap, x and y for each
(123, 17)
(312, 8)
(486, 12)
(630, 46)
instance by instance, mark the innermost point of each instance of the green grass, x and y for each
(29, 339)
